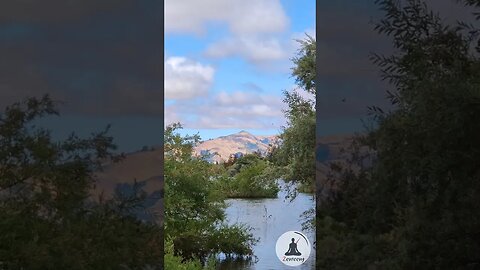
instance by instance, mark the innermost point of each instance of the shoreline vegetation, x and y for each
(248, 177)
(195, 222)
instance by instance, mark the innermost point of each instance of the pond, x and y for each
(269, 219)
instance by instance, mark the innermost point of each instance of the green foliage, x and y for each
(243, 162)
(304, 64)
(295, 157)
(417, 206)
(173, 262)
(296, 153)
(194, 209)
(47, 218)
(249, 177)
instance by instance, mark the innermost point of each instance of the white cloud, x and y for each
(238, 98)
(267, 52)
(227, 123)
(258, 16)
(257, 28)
(256, 50)
(239, 109)
(242, 17)
(185, 79)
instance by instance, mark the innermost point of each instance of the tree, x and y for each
(251, 176)
(304, 69)
(48, 218)
(295, 154)
(417, 206)
(194, 209)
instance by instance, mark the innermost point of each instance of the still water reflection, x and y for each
(269, 219)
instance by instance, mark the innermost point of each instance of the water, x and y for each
(269, 219)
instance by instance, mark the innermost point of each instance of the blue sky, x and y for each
(227, 62)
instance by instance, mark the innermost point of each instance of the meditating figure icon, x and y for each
(292, 249)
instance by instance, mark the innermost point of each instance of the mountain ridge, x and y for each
(241, 142)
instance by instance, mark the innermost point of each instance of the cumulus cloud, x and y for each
(254, 49)
(256, 27)
(239, 109)
(267, 52)
(242, 17)
(228, 123)
(185, 79)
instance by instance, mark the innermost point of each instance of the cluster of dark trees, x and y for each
(417, 203)
(48, 217)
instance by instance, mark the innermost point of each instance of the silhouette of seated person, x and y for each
(292, 249)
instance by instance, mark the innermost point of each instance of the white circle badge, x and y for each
(293, 248)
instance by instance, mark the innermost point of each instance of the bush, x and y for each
(250, 177)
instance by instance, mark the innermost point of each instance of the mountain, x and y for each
(241, 142)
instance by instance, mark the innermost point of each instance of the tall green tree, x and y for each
(48, 219)
(418, 205)
(295, 155)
